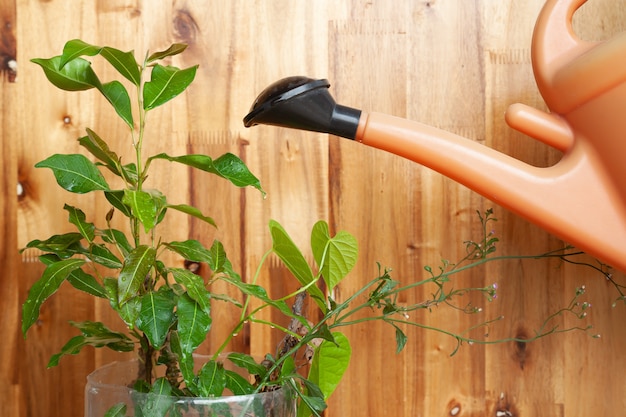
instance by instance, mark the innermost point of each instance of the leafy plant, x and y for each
(167, 310)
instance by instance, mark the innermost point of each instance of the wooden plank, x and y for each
(456, 65)
(11, 394)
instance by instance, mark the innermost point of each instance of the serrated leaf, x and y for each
(227, 166)
(166, 82)
(76, 75)
(75, 173)
(192, 211)
(193, 324)
(156, 315)
(293, 259)
(336, 256)
(50, 281)
(136, 267)
(174, 49)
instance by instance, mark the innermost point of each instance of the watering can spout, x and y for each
(581, 199)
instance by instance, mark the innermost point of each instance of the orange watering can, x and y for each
(581, 199)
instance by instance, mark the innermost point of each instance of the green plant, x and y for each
(167, 310)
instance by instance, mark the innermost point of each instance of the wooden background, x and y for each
(455, 64)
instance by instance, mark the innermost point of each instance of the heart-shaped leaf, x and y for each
(294, 260)
(330, 363)
(336, 256)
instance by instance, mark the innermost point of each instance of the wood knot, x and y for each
(185, 27)
(520, 352)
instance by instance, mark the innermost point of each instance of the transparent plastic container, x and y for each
(108, 386)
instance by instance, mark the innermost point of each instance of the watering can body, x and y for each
(581, 199)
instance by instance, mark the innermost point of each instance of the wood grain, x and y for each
(454, 64)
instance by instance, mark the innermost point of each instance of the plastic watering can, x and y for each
(581, 199)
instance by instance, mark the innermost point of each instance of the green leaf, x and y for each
(237, 384)
(117, 95)
(211, 379)
(136, 267)
(401, 339)
(76, 48)
(158, 401)
(143, 206)
(227, 166)
(129, 311)
(192, 211)
(76, 75)
(195, 287)
(118, 410)
(174, 49)
(166, 82)
(220, 262)
(293, 259)
(330, 363)
(124, 62)
(336, 255)
(157, 315)
(248, 363)
(185, 360)
(77, 218)
(102, 256)
(312, 402)
(93, 334)
(50, 281)
(191, 250)
(75, 173)
(116, 198)
(117, 238)
(64, 245)
(87, 283)
(193, 324)
(100, 149)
